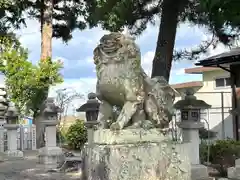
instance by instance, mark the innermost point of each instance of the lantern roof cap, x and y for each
(191, 102)
(49, 106)
(12, 110)
(92, 96)
(91, 104)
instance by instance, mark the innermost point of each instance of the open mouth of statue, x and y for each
(110, 48)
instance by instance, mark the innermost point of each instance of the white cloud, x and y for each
(147, 59)
(178, 72)
(2, 79)
(62, 59)
(88, 59)
(81, 86)
(214, 51)
(187, 31)
(30, 35)
(147, 62)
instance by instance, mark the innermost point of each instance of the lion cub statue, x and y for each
(121, 82)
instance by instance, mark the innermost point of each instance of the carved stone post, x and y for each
(33, 129)
(3, 109)
(91, 127)
(50, 155)
(190, 124)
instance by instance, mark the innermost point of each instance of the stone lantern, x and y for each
(91, 109)
(12, 126)
(190, 109)
(3, 109)
(12, 114)
(50, 155)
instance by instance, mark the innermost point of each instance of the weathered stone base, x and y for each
(15, 153)
(50, 157)
(234, 172)
(199, 172)
(2, 156)
(135, 154)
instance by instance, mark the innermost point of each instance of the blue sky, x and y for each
(77, 55)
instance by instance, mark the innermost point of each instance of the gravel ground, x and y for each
(29, 169)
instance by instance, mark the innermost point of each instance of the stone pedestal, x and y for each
(12, 140)
(50, 155)
(33, 129)
(190, 133)
(135, 154)
(234, 172)
(1, 139)
(2, 154)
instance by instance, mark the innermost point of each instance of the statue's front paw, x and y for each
(103, 125)
(147, 124)
(115, 126)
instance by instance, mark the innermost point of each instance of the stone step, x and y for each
(237, 172)
(199, 172)
(231, 172)
(74, 158)
(234, 173)
(237, 162)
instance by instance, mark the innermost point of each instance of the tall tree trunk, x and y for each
(162, 61)
(46, 30)
(46, 53)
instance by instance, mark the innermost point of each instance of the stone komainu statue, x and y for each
(121, 82)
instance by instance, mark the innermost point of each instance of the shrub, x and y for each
(206, 134)
(76, 135)
(61, 136)
(223, 154)
(203, 152)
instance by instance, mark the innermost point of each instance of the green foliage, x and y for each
(76, 135)
(206, 134)
(11, 14)
(4, 3)
(220, 17)
(203, 152)
(223, 154)
(60, 136)
(26, 83)
(117, 14)
(65, 15)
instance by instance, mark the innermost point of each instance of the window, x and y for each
(223, 82)
(184, 115)
(228, 81)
